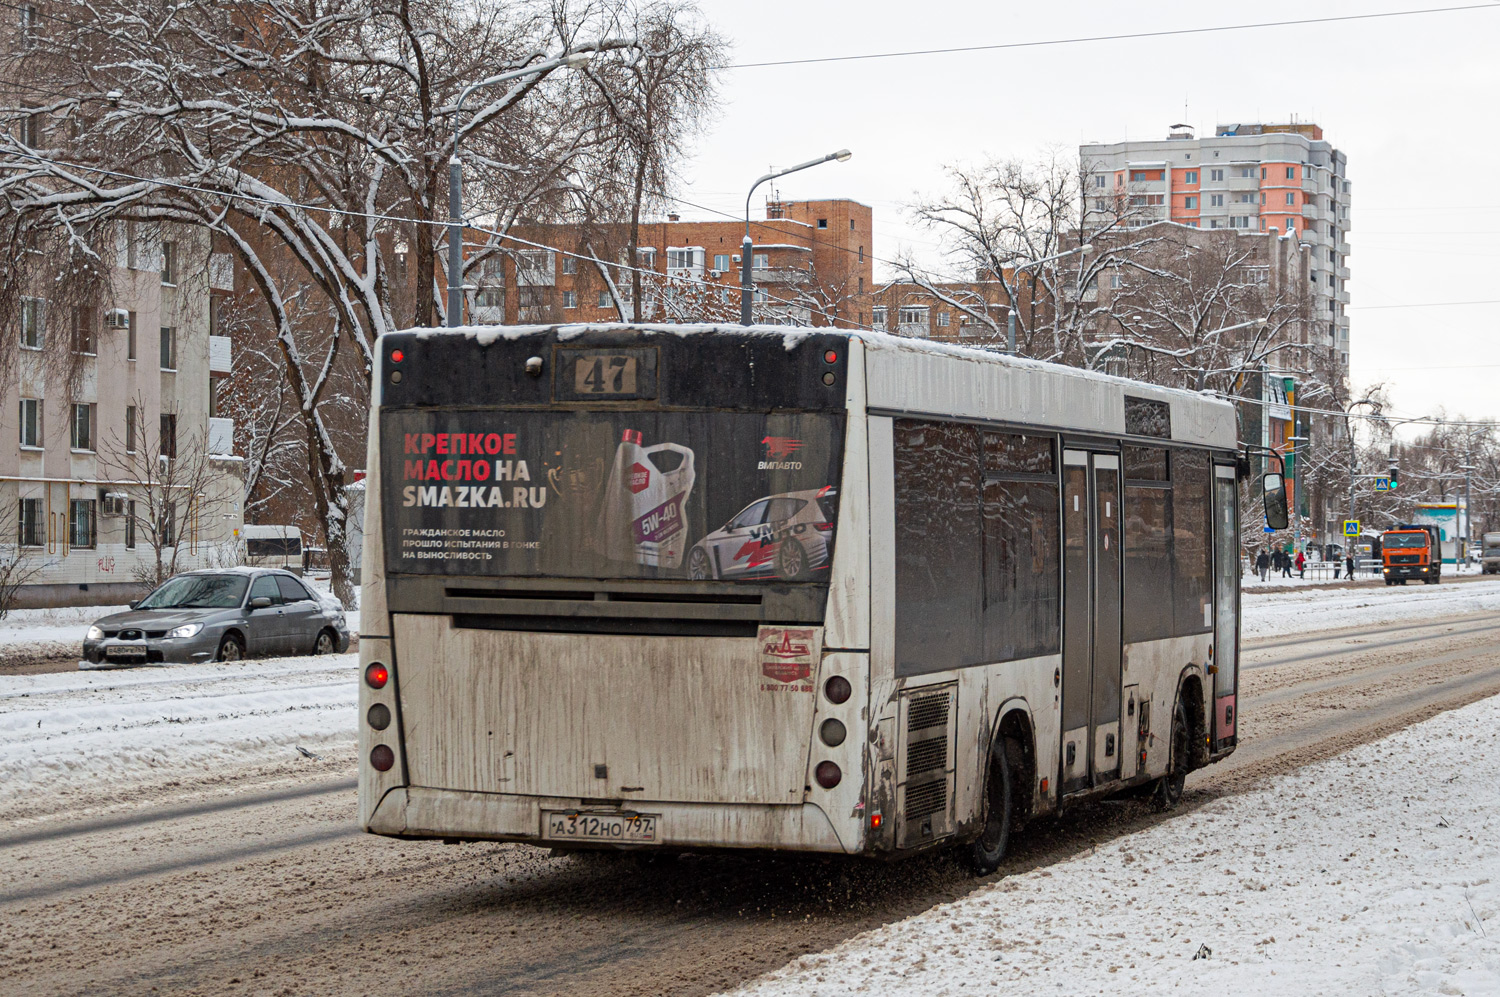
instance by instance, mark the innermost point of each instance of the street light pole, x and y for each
(1468, 533)
(455, 177)
(1010, 313)
(747, 247)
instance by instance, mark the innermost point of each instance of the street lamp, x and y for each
(1010, 313)
(1468, 536)
(1297, 454)
(572, 60)
(747, 247)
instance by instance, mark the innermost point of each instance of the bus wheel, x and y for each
(986, 851)
(1168, 792)
(699, 568)
(231, 648)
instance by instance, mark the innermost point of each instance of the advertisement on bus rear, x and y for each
(638, 494)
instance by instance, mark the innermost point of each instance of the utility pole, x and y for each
(747, 247)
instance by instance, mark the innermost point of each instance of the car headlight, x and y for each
(186, 630)
(95, 633)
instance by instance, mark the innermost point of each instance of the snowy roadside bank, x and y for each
(1374, 872)
(1311, 610)
(90, 731)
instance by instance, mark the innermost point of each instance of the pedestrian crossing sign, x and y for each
(1351, 527)
(1382, 484)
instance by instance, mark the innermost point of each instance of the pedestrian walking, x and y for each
(1301, 564)
(1286, 565)
(1263, 564)
(1349, 566)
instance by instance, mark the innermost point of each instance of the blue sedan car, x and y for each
(219, 615)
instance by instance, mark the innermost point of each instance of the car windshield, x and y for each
(197, 592)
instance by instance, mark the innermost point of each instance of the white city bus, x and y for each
(721, 587)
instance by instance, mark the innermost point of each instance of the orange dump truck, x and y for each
(1411, 551)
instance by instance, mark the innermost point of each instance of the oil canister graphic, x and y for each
(644, 513)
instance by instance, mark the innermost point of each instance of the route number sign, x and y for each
(1351, 527)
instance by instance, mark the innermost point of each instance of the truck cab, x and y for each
(1411, 551)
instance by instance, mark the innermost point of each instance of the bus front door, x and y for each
(1091, 645)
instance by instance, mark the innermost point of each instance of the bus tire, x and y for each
(987, 850)
(231, 648)
(1168, 791)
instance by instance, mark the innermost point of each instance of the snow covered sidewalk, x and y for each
(1376, 872)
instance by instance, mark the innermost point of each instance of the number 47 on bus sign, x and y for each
(1351, 527)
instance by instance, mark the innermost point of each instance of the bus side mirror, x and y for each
(1275, 488)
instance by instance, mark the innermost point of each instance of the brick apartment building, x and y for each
(97, 395)
(1283, 178)
(812, 265)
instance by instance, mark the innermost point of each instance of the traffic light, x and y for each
(1393, 477)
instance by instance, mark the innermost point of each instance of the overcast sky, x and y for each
(1410, 100)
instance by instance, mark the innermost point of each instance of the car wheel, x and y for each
(231, 648)
(326, 643)
(700, 568)
(791, 559)
(1168, 792)
(987, 850)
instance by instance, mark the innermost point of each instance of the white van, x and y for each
(273, 547)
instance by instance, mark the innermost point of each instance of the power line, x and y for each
(1434, 304)
(1081, 39)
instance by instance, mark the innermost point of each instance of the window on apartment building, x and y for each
(31, 523)
(130, 429)
(822, 223)
(1239, 221)
(33, 319)
(758, 261)
(490, 297)
(168, 347)
(1216, 175)
(861, 285)
(1247, 173)
(1114, 280)
(1333, 257)
(1330, 281)
(83, 427)
(913, 315)
(1291, 172)
(684, 258)
(1262, 198)
(851, 224)
(1191, 176)
(130, 347)
(169, 263)
(729, 295)
(1214, 223)
(604, 300)
(166, 525)
(1138, 176)
(1098, 180)
(570, 299)
(27, 22)
(31, 423)
(861, 254)
(1246, 199)
(130, 525)
(569, 265)
(721, 262)
(168, 436)
(84, 339)
(1189, 202)
(1307, 172)
(1291, 198)
(645, 256)
(877, 318)
(1216, 200)
(761, 296)
(81, 523)
(942, 320)
(1291, 224)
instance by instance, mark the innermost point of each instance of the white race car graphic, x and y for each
(785, 536)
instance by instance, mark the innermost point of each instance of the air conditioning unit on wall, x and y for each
(117, 318)
(113, 504)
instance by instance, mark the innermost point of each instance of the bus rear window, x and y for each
(628, 494)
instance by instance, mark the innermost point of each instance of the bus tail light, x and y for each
(827, 774)
(874, 822)
(379, 716)
(382, 757)
(838, 689)
(376, 676)
(832, 732)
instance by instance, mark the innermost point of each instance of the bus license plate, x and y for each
(573, 826)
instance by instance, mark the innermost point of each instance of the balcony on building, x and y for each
(913, 321)
(220, 437)
(220, 354)
(535, 268)
(489, 306)
(221, 272)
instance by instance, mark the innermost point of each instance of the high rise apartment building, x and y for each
(105, 401)
(1283, 178)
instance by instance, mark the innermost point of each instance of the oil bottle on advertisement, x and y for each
(644, 515)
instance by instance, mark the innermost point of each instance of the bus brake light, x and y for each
(376, 676)
(827, 774)
(830, 357)
(382, 757)
(397, 356)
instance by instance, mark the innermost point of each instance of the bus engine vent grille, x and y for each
(926, 756)
(926, 799)
(928, 711)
